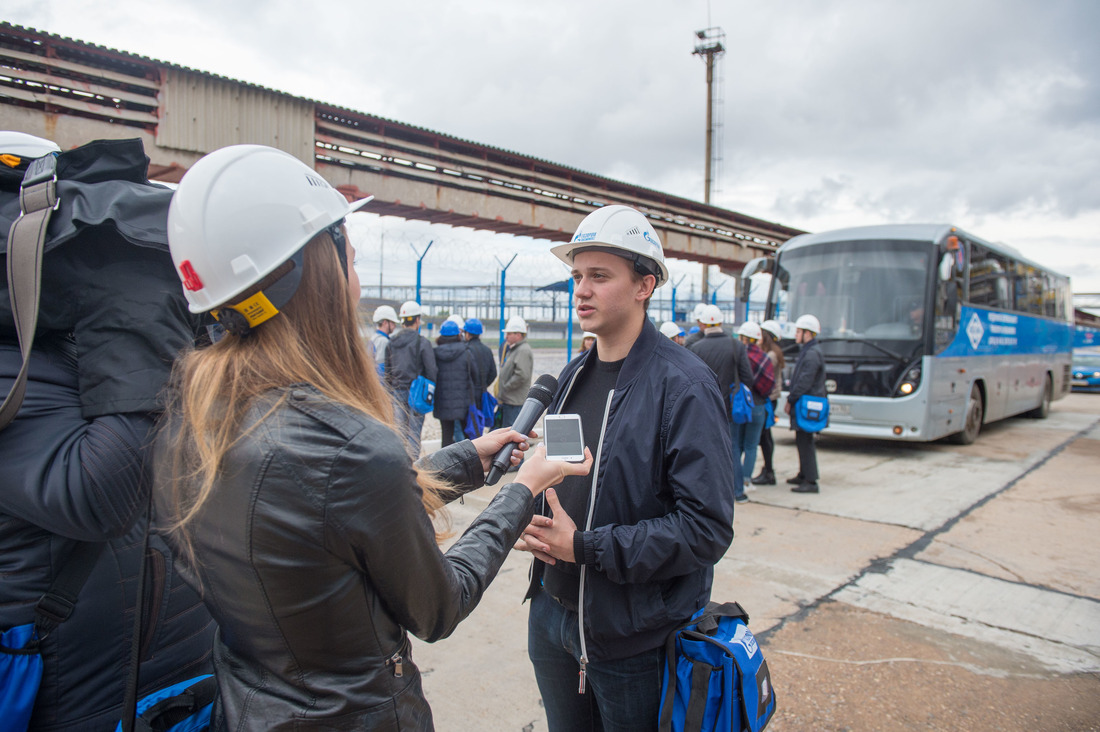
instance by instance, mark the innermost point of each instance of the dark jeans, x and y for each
(508, 414)
(737, 437)
(620, 696)
(449, 431)
(807, 455)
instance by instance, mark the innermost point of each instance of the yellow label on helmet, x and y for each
(12, 161)
(256, 309)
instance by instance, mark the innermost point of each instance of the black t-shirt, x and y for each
(588, 399)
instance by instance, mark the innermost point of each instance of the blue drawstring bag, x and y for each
(182, 707)
(811, 413)
(769, 419)
(20, 675)
(422, 394)
(741, 404)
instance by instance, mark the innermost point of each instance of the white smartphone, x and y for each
(563, 439)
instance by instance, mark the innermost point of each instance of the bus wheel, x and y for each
(973, 423)
(1043, 410)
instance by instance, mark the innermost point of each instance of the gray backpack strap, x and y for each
(26, 241)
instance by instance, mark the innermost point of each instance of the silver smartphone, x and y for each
(563, 439)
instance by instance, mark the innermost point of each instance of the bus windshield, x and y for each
(869, 291)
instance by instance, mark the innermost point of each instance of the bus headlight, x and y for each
(909, 382)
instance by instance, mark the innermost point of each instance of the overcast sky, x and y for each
(981, 113)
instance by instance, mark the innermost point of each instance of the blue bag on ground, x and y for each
(741, 404)
(715, 675)
(811, 413)
(422, 394)
(20, 675)
(182, 707)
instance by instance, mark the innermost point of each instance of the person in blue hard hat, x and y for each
(456, 381)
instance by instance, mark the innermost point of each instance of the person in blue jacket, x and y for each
(625, 554)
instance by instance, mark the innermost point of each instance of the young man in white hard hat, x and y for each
(517, 366)
(385, 322)
(627, 553)
(408, 356)
(763, 379)
(696, 331)
(729, 365)
(808, 379)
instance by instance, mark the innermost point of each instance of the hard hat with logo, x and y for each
(385, 312)
(623, 231)
(474, 327)
(515, 324)
(449, 328)
(710, 315)
(808, 322)
(411, 309)
(671, 330)
(773, 327)
(17, 148)
(240, 213)
(749, 329)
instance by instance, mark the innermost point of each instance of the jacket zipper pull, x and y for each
(395, 659)
(580, 686)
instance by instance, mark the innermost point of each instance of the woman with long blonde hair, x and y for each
(281, 480)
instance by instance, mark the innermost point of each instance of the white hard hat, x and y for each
(411, 309)
(670, 329)
(697, 310)
(515, 324)
(624, 231)
(773, 327)
(749, 329)
(457, 320)
(385, 312)
(25, 146)
(586, 334)
(808, 322)
(710, 315)
(241, 212)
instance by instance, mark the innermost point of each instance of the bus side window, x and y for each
(989, 279)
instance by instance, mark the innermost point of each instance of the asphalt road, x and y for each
(928, 586)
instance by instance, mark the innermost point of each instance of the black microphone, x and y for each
(538, 399)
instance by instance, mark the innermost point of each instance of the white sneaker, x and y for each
(749, 487)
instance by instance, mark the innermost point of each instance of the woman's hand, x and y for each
(489, 445)
(538, 473)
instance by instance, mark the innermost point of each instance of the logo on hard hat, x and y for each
(588, 236)
(645, 235)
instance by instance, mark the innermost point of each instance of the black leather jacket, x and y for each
(315, 556)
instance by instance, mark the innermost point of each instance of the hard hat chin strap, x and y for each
(240, 318)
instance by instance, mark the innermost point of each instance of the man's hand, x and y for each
(488, 445)
(787, 407)
(548, 538)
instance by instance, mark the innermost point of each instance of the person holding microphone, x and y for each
(280, 476)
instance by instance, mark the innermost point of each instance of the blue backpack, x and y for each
(422, 394)
(182, 707)
(811, 413)
(715, 675)
(741, 404)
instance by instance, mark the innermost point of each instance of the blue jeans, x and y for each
(410, 423)
(737, 434)
(508, 414)
(751, 440)
(620, 696)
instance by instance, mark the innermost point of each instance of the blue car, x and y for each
(1086, 371)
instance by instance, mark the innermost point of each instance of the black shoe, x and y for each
(805, 488)
(796, 480)
(766, 477)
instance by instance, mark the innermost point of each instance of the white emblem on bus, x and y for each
(975, 330)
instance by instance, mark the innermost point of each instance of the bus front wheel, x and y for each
(973, 424)
(1043, 410)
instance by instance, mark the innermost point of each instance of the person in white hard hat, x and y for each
(283, 481)
(808, 379)
(696, 331)
(587, 339)
(672, 331)
(385, 322)
(761, 384)
(517, 368)
(729, 364)
(771, 334)
(631, 550)
(409, 356)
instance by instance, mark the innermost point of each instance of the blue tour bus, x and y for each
(927, 331)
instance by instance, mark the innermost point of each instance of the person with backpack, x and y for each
(726, 358)
(808, 379)
(409, 356)
(761, 384)
(772, 333)
(456, 382)
(74, 484)
(281, 476)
